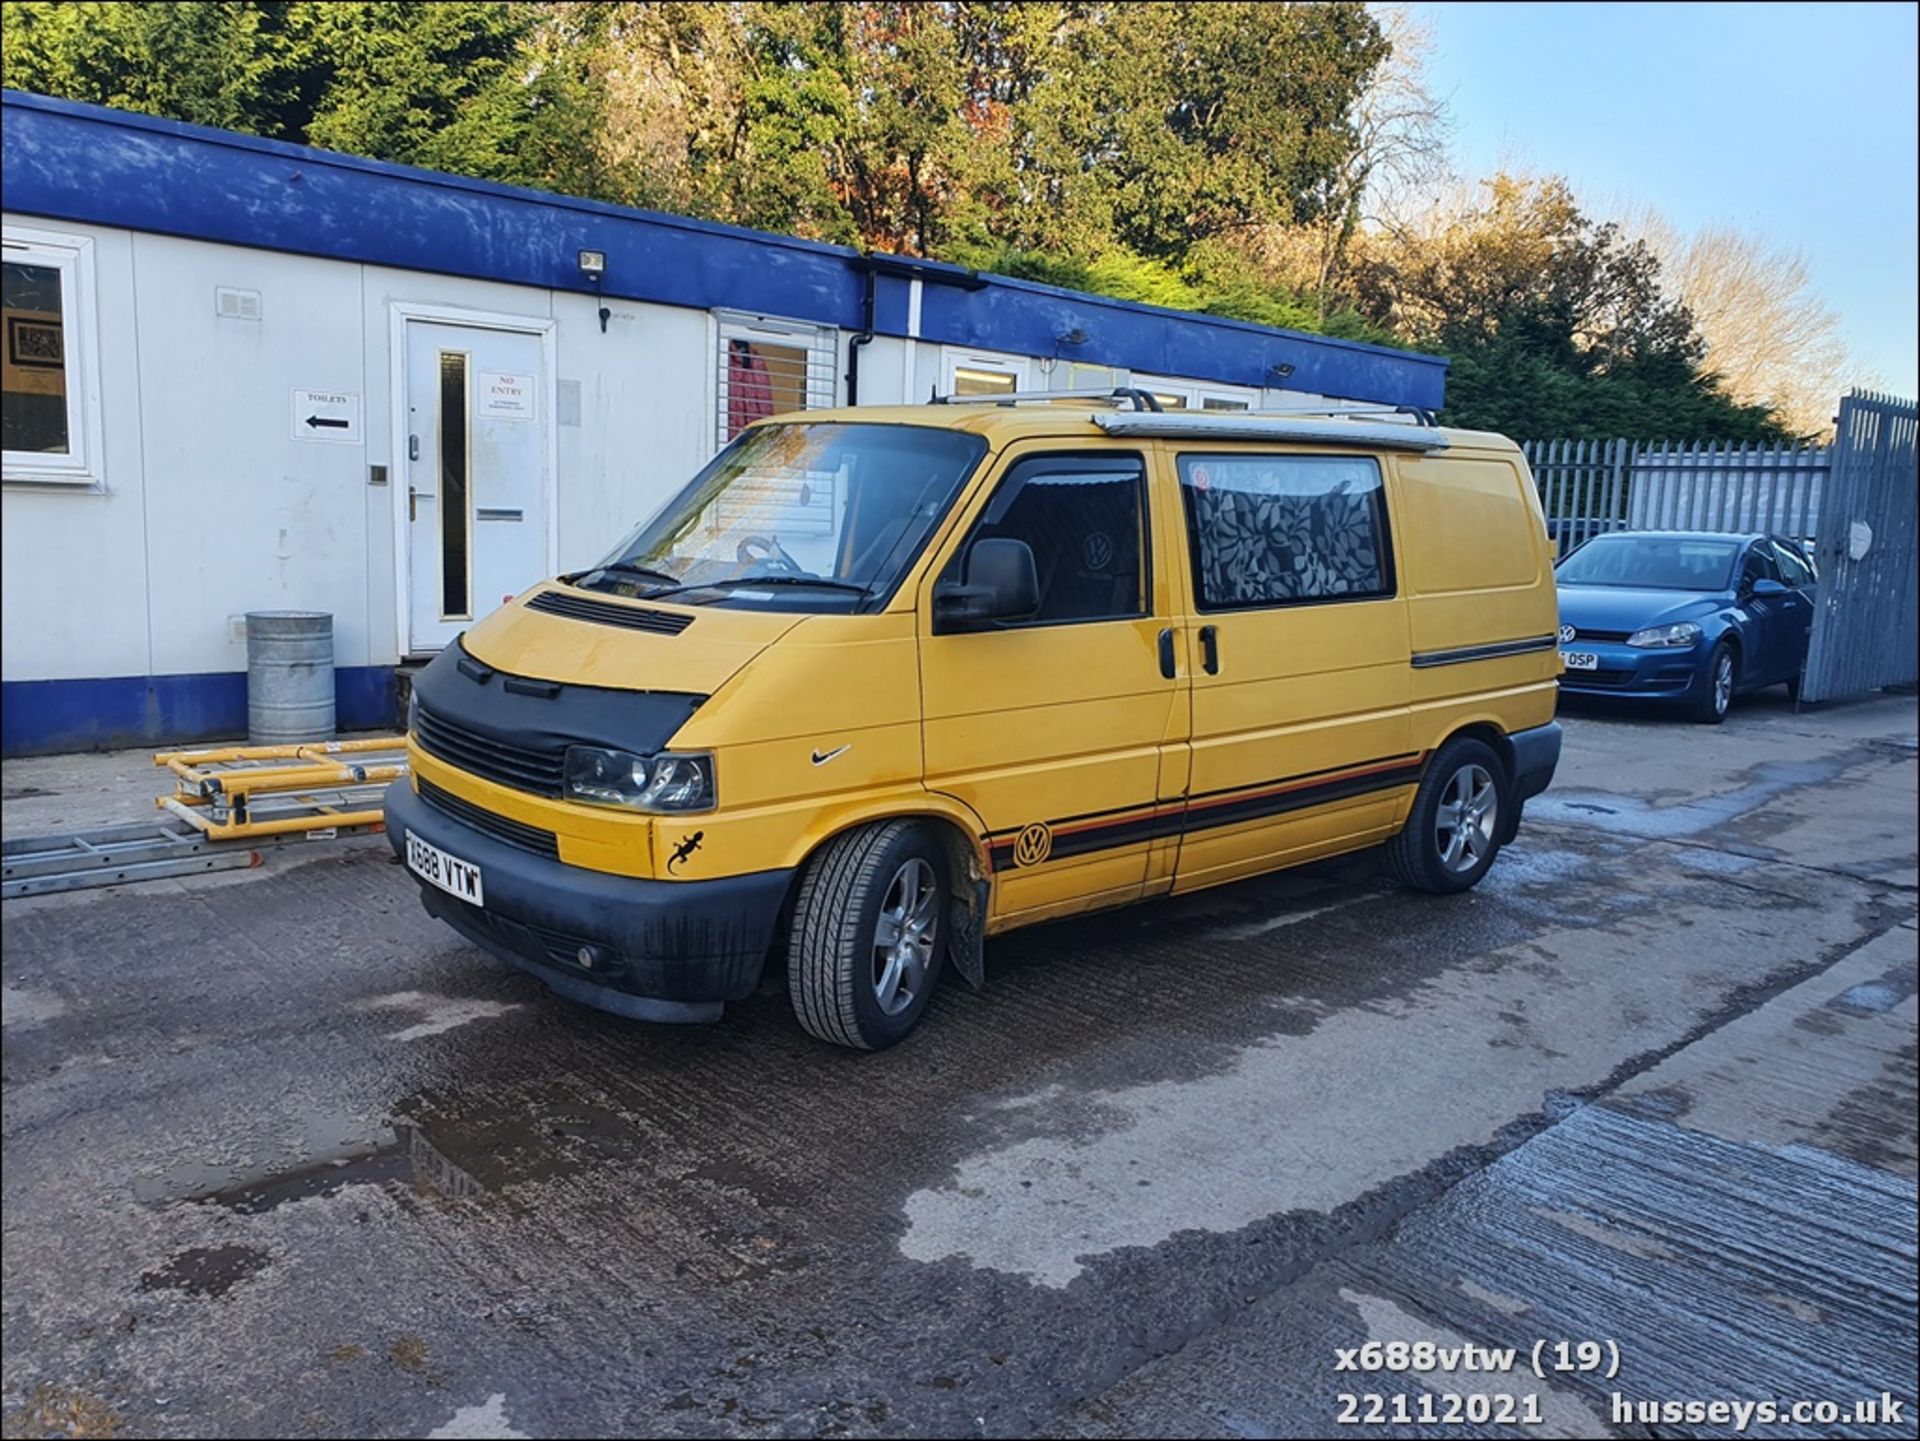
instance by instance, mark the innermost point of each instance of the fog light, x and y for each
(592, 958)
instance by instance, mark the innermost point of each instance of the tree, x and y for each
(1399, 146)
(434, 85)
(1769, 338)
(1557, 325)
(240, 67)
(1164, 125)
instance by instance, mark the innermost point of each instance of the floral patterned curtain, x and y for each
(1272, 529)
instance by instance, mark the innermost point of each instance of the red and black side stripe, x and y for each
(1129, 825)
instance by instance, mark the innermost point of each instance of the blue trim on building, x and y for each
(67, 161)
(41, 717)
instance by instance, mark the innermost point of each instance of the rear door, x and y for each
(1299, 646)
(1063, 733)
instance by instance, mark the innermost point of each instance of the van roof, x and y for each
(1002, 424)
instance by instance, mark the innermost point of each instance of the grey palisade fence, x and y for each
(1591, 486)
(1866, 630)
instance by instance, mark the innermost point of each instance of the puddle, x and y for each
(410, 1158)
(1631, 815)
(1713, 862)
(1871, 1000)
(206, 1270)
(21, 1007)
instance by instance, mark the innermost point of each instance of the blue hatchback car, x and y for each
(1690, 617)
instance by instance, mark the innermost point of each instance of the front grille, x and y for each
(513, 833)
(488, 756)
(1581, 633)
(600, 612)
(1587, 678)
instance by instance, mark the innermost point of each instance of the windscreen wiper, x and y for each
(817, 582)
(640, 572)
(824, 582)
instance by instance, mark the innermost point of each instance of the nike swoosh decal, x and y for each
(820, 760)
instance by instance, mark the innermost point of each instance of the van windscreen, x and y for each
(801, 516)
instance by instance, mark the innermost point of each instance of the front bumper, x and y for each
(661, 950)
(1635, 674)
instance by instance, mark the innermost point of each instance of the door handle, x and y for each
(1210, 650)
(413, 504)
(413, 447)
(1166, 652)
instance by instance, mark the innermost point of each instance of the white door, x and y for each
(476, 474)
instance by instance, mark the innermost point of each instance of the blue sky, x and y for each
(1796, 121)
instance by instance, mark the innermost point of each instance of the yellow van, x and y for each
(881, 682)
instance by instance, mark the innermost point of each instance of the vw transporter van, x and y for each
(882, 682)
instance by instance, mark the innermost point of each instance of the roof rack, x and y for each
(1322, 429)
(1140, 400)
(1419, 415)
(1131, 395)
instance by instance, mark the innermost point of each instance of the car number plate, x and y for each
(453, 875)
(1580, 660)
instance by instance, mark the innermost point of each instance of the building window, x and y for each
(769, 367)
(1174, 393)
(1270, 530)
(981, 373)
(50, 396)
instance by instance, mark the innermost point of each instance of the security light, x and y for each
(1282, 370)
(593, 265)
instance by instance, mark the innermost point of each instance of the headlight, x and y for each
(666, 782)
(1673, 637)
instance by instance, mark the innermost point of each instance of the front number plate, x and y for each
(1580, 659)
(453, 875)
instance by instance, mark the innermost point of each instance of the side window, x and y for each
(1272, 530)
(1084, 516)
(1795, 570)
(49, 407)
(1757, 564)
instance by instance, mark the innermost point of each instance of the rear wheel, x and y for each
(869, 925)
(1715, 687)
(1454, 829)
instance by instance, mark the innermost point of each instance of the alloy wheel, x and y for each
(1464, 825)
(903, 936)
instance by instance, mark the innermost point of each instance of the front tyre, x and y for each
(1453, 832)
(1715, 695)
(869, 926)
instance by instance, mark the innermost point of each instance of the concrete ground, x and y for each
(283, 1156)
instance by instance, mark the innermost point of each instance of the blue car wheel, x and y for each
(1716, 684)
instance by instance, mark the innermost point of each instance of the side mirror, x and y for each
(1765, 587)
(1001, 584)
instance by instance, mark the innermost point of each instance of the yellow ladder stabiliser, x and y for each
(322, 788)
